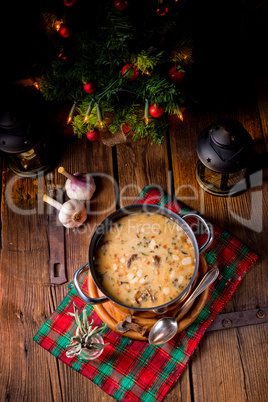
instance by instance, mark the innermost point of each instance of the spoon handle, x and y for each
(207, 280)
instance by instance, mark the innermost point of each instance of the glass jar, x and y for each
(87, 354)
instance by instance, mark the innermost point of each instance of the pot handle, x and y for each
(209, 230)
(81, 294)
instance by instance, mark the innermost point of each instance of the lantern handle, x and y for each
(81, 294)
(208, 230)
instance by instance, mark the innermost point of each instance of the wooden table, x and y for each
(230, 364)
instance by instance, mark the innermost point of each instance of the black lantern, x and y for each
(23, 134)
(225, 150)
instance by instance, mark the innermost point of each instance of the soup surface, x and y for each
(144, 260)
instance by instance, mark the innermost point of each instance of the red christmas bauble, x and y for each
(156, 111)
(121, 5)
(62, 56)
(69, 3)
(127, 128)
(176, 74)
(162, 9)
(65, 31)
(132, 72)
(90, 87)
(93, 135)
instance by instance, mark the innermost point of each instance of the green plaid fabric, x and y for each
(131, 370)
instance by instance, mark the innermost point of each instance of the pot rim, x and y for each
(138, 208)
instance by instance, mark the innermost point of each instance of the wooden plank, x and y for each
(139, 164)
(243, 215)
(84, 156)
(25, 304)
(217, 374)
(221, 357)
(26, 296)
(95, 158)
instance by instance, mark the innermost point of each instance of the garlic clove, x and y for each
(52, 202)
(73, 214)
(78, 186)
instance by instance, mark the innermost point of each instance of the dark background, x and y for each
(230, 44)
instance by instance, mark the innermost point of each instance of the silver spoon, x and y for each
(166, 328)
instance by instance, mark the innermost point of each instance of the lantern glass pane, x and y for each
(28, 159)
(222, 184)
(237, 177)
(212, 178)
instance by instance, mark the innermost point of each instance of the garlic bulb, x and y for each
(72, 213)
(78, 186)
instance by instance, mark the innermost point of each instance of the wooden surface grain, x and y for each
(228, 365)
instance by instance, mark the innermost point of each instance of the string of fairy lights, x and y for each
(95, 101)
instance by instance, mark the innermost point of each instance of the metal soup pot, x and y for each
(104, 228)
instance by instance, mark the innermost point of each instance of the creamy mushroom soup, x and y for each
(145, 260)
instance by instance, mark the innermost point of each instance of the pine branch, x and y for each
(183, 52)
(114, 39)
(148, 60)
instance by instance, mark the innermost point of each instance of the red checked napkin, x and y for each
(133, 370)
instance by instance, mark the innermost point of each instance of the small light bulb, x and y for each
(71, 112)
(146, 111)
(99, 115)
(36, 85)
(179, 112)
(57, 25)
(89, 110)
